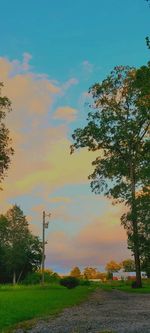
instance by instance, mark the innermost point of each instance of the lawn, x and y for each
(126, 286)
(22, 303)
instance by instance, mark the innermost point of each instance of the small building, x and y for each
(121, 275)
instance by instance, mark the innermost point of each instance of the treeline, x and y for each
(20, 250)
(127, 265)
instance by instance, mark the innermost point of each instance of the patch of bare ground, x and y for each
(115, 311)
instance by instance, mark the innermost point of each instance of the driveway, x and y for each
(114, 311)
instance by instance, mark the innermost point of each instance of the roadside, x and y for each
(104, 311)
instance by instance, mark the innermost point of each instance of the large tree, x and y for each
(5, 143)
(118, 129)
(20, 251)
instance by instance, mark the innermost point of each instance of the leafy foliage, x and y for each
(69, 282)
(5, 149)
(75, 272)
(20, 251)
(36, 277)
(90, 273)
(128, 265)
(113, 266)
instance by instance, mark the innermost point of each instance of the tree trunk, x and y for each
(19, 276)
(14, 278)
(135, 231)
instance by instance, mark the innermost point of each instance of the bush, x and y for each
(69, 282)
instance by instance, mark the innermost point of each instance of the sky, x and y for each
(51, 53)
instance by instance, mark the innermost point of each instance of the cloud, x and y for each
(87, 67)
(39, 145)
(65, 113)
(24, 66)
(68, 84)
(42, 166)
(99, 241)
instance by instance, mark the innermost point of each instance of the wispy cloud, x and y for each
(88, 67)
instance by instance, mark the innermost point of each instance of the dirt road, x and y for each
(115, 311)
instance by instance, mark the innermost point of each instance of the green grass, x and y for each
(24, 303)
(126, 286)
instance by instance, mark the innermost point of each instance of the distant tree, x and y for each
(112, 266)
(20, 251)
(89, 273)
(75, 272)
(101, 276)
(128, 265)
(118, 129)
(5, 149)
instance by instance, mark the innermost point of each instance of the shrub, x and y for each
(32, 278)
(84, 282)
(69, 282)
(50, 277)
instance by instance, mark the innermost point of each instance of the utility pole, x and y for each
(44, 226)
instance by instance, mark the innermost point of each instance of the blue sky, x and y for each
(51, 52)
(60, 35)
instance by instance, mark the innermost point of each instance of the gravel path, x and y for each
(104, 311)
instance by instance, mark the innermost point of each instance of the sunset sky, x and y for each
(51, 52)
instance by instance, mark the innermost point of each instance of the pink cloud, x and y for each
(99, 241)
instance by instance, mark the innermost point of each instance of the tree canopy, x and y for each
(75, 272)
(128, 265)
(20, 251)
(5, 143)
(112, 266)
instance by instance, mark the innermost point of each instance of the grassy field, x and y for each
(23, 303)
(126, 286)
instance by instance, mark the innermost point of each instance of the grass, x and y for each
(23, 303)
(126, 286)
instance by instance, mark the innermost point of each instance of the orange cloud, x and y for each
(66, 113)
